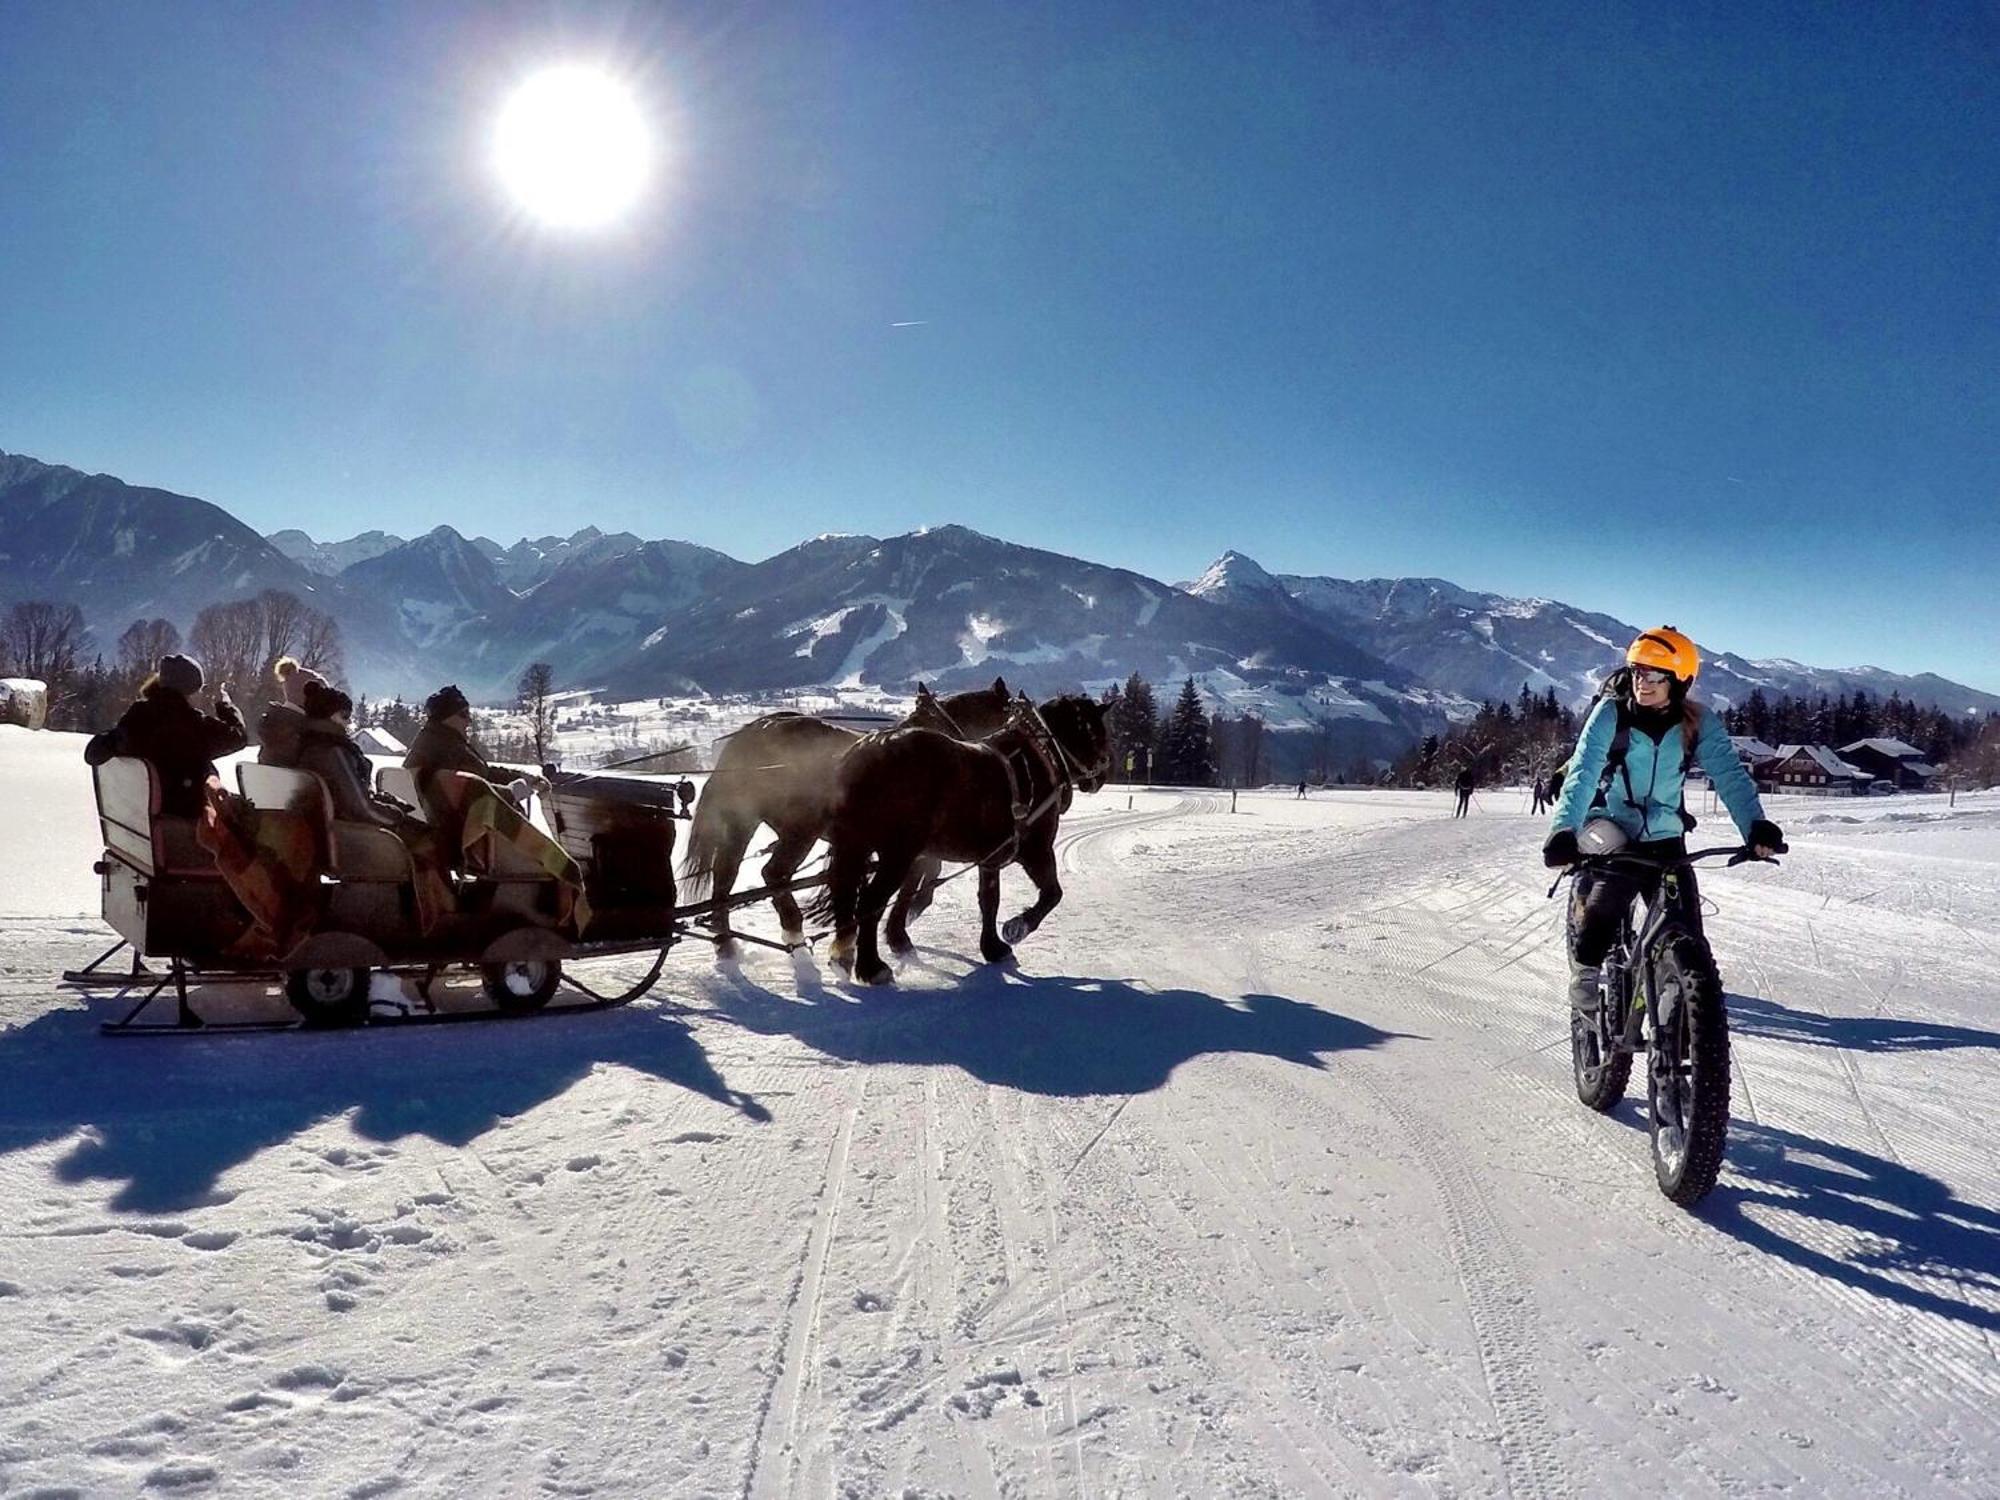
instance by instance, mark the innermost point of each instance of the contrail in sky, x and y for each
(918, 323)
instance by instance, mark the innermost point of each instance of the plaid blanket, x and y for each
(483, 816)
(268, 860)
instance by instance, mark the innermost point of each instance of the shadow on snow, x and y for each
(1044, 1034)
(1750, 1015)
(1907, 1226)
(168, 1117)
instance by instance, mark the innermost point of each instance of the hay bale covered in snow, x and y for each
(24, 701)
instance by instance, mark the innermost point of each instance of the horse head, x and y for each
(1083, 733)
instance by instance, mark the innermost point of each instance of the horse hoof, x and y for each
(794, 937)
(727, 951)
(1013, 930)
(996, 953)
(899, 942)
(880, 974)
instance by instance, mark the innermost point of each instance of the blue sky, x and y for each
(1685, 313)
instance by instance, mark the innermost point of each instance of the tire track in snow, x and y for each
(1504, 1319)
(779, 1410)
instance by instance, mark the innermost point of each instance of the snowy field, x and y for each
(1260, 1176)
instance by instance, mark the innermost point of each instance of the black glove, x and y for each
(1559, 849)
(1766, 835)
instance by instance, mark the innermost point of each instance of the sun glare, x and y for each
(572, 148)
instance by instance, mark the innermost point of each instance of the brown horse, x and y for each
(916, 793)
(779, 771)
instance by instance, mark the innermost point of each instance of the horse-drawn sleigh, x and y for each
(980, 777)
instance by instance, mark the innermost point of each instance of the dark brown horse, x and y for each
(916, 793)
(779, 771)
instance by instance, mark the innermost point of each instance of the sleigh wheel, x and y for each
(522, 985)
(329, 997)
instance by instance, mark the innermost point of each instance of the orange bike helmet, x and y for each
(1666, 648)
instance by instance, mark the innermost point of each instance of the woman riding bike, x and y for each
(1629, 765)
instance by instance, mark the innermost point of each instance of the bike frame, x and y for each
(1632, 953)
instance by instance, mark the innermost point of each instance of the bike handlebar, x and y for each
(1739, 854)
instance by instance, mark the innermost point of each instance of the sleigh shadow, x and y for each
(1046, 1034)
(166, 1118)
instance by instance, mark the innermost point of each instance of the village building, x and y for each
(1892, 760)
(1812, 770)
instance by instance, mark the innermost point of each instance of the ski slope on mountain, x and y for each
(1260, 1175)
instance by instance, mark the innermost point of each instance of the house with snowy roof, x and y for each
(1813, 770)
(1752, 751)
(1893, 760)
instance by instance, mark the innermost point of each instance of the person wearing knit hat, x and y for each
(181, 673)
(284, 718)
(444, 743)
(329, 751)
(293, 679)
(180, 742)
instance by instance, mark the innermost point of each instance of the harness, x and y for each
(1615, 766)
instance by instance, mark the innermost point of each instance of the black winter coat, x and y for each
(177, 739)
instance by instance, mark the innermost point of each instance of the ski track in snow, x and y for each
(1260, 1175)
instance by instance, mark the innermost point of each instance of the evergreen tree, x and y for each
(1187, 756)
(1135, 727)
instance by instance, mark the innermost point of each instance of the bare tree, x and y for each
(42, 639)
(228, 640)
(536, 689)
(143, 644)
(284, 618)
(319, 645)
(239, 642)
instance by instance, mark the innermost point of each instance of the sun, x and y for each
(572, 148)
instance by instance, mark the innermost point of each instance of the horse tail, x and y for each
(704, 842)
(846, 868)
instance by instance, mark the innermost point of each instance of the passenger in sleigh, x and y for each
(328, 750)
(283, 721)
(180, 742)
(444, 743)
(470, 800)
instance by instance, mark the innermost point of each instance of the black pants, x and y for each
(1598, 899)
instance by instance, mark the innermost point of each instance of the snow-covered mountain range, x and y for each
(1380, 660)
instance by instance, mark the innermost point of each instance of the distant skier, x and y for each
(1302, 793)
(1541, 792)
(1466, 784)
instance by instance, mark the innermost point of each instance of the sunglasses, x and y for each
(1652, 675)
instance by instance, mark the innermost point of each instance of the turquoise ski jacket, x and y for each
(1654, 771)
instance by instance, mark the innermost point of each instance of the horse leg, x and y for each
(722, 880)
(911, 899)
(847, 868)
(991, 948)
(874, 898)
(1039, 861)
(779, 868)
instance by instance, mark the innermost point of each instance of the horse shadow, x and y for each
(1752, 1015)
(1044, 1034)
(166, 1118)
(1902, 1222)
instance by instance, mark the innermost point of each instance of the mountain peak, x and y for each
(1234, 573)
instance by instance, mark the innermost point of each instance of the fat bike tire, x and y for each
(1600, 1070)
(1687, 1073)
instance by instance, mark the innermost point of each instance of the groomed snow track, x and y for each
(1260, 1176)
